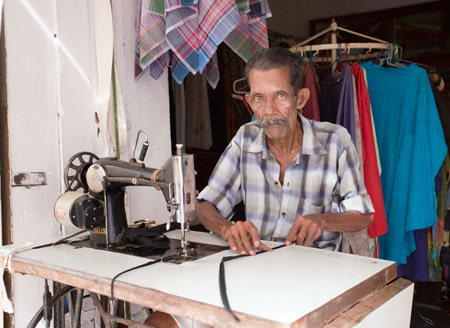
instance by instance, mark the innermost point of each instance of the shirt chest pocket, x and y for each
(306, 208)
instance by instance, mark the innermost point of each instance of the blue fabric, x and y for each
(416, 268)
(412, 149)
(346, 109)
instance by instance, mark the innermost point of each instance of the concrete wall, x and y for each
(292, 17)
(51, 75)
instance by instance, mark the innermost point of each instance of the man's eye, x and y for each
(257, 98)
(281, 95)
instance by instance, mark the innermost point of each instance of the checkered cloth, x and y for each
(151, 46)
(251, 34)
(152, 32)
(217, 19)
(187, 33)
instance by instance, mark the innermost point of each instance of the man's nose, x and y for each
(269, 105)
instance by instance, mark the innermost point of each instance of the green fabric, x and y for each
(243, 6)
(157, 7)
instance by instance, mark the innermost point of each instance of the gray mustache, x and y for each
(278, 121)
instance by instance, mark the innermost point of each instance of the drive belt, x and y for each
(222, 284)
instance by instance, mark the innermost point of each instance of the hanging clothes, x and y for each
(443, 109)
(345, 115)
(337, 105)
(152, 32)
(198, 121)
(152, 50)
(259, 12)
(251, 33)
(311, 109)
(416, 267)
(329, 98)
(185, 34)
(369, 158)
(339, 97)
(412, 149)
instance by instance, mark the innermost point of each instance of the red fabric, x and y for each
(371, 173)
(311, 109)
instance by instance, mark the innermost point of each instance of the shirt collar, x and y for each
(310, 145)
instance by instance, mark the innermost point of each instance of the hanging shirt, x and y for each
(416, 267)
(322, 178)
(371, 175)
(412, 149)
(345, 112)
(311, 109)
(329, 98)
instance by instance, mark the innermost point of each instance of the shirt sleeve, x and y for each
(352, 192)
(224, 185)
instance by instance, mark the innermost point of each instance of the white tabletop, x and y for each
(280, 286)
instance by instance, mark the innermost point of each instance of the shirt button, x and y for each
(276, 182)
(284, 213)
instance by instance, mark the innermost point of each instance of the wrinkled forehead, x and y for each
(274, 79)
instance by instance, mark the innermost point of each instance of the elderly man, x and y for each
(298, 178)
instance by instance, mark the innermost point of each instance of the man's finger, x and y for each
(232, 243)
(253, 233)
(301, 235)
(263, 247)
(245, 239)
(237, 240)
(311, 235)
(292, 235)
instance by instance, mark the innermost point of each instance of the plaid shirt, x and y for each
(323, 178)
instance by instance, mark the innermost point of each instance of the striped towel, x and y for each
(152, 32)
(217, 19)
(152, 50)
(251, 34)
(187, 33)
(182, 35)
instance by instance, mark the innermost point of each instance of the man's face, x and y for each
(273, 101)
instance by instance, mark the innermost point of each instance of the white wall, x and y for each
(51, 69)
(147, 107)
(292, 17)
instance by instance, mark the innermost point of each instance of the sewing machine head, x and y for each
(101, 207)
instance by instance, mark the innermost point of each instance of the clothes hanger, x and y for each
(333, 34)
(243, 89)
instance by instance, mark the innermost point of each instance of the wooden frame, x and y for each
(132, 290)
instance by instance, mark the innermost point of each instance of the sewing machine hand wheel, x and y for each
(75, 170)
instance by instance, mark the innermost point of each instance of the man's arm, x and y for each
(241, 236)
(308, 228)
(211, 218)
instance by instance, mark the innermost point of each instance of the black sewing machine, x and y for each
(100, 207)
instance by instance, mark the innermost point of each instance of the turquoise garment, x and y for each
(412, 149)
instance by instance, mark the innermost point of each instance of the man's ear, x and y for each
(302, 97)
(247, 98)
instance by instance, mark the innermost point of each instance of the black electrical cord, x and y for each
(222, 284)
(59, 241)
(128, 270)
(161, 259)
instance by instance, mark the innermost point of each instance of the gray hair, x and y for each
(266, 59)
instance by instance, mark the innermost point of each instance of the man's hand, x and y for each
(304, 231)
(242, 236)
